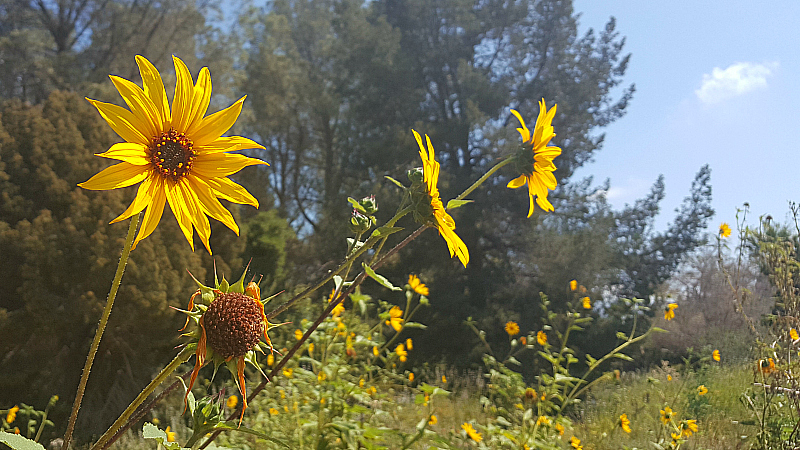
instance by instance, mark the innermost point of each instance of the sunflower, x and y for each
(395, 318)
(417, 286)
(669, 311)
(666, 415)
(715, 355)
(724, 230)
(477, 437)
(625, 423)
(702, 390)
(230, 322)
(512, 328)
(439, 217)
(535, 160)
(178, 156)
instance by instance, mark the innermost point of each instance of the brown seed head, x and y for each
(234, 323)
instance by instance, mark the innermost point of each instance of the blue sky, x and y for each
(717, 83)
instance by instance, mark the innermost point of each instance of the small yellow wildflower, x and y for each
(541, 338)
(542, 420)
(273, 411)
(444, 379)
(310, 348)
(427, 399)
(298, 334)
(669, 377)
(666, 415)
(285, 408)
(361, 383)
(793, 334)
(170, 435)
(232, 401)
(396, 318)
(411, 376)
(409, 344)
(12, 415)
(575, 443)
(625, 423)
(417, 285)
(587, 303)
(338, 310)
(560, 429)
(288, 372)
(471, 432)
(372, 390)
(715, 355)
(724, 230)
(270, 360)
(321, 376)
(573, 285)
(433, 420)
(702, 390)
(283, 394)
(512, 328)
(669, 311)
(401, 352)
(375, 350)
(688, 427)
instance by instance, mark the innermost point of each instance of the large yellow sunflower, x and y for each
(179, 156)
(536, 159)
(442, 220)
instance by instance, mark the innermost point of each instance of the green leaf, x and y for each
(356, 205)
(17, 442)
(399, 184)
(416, 325)
(379, 278)
(453, 204)
(622, 356)
(385, 231)
(658, 330)
(233, 426)
(150, 431)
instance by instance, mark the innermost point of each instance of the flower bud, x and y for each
(369, 204)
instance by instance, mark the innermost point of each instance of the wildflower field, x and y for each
(407, 259)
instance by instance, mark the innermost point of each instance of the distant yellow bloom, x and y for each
(270, 359)
(427, 399)
(372, 390)
(375, 350)
(283, 394)
(536, 160)
(395, 318)
(471, 432)
(411, 376)
(440, 218)
(669, 311)
(512, 328)
(675, 437)
(575, 443)
(310, 348)
(417, 286)
(523, 340)
(170, 435)
(433, 420)
(793, 334)
(530, 394)
(666, 415)
(541, 338)
(688, 427)
(401, 352)
(444, 379)
(587, 303)
(560, 429)
(361, 383)
(573, 285)
(232, 401)
(288, 372)
(625, 423)
(180, 157)
(12, 414)
(766, 366)
(715, 355)
(321, 376)
(669, 377)
(409, 344)
(298, 334)
(543, 420)
(273, 411)
(724, 230)
(702, 390)
(338, 310)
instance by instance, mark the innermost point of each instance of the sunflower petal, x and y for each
(154, 88)
(210, 204)
(544, 203)
(215, 125)
(152, 216)
(117, 176)
(226, 189)
(228, 144)
(222, 164)
(140, 105)
(176, 204)
(182, 101)
(195, 212)
(454, 244)
(129, 152)
(524, 132)
(517, 182)
(143, 198)
(201, 97)
(122, 121)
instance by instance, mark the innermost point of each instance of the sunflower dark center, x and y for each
(234, 324)
(172, 154)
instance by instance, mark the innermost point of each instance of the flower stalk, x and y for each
(112, 295)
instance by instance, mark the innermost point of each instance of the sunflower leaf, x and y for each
(17, 442)
(453, 204)
(395, 182)
(379, 278)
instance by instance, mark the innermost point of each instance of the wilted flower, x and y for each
(179, 156)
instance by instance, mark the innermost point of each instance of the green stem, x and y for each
(484, 177)
(101, 327)
(181, 358)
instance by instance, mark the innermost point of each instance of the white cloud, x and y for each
(736, 79)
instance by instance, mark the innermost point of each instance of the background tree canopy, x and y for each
(334, 88)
